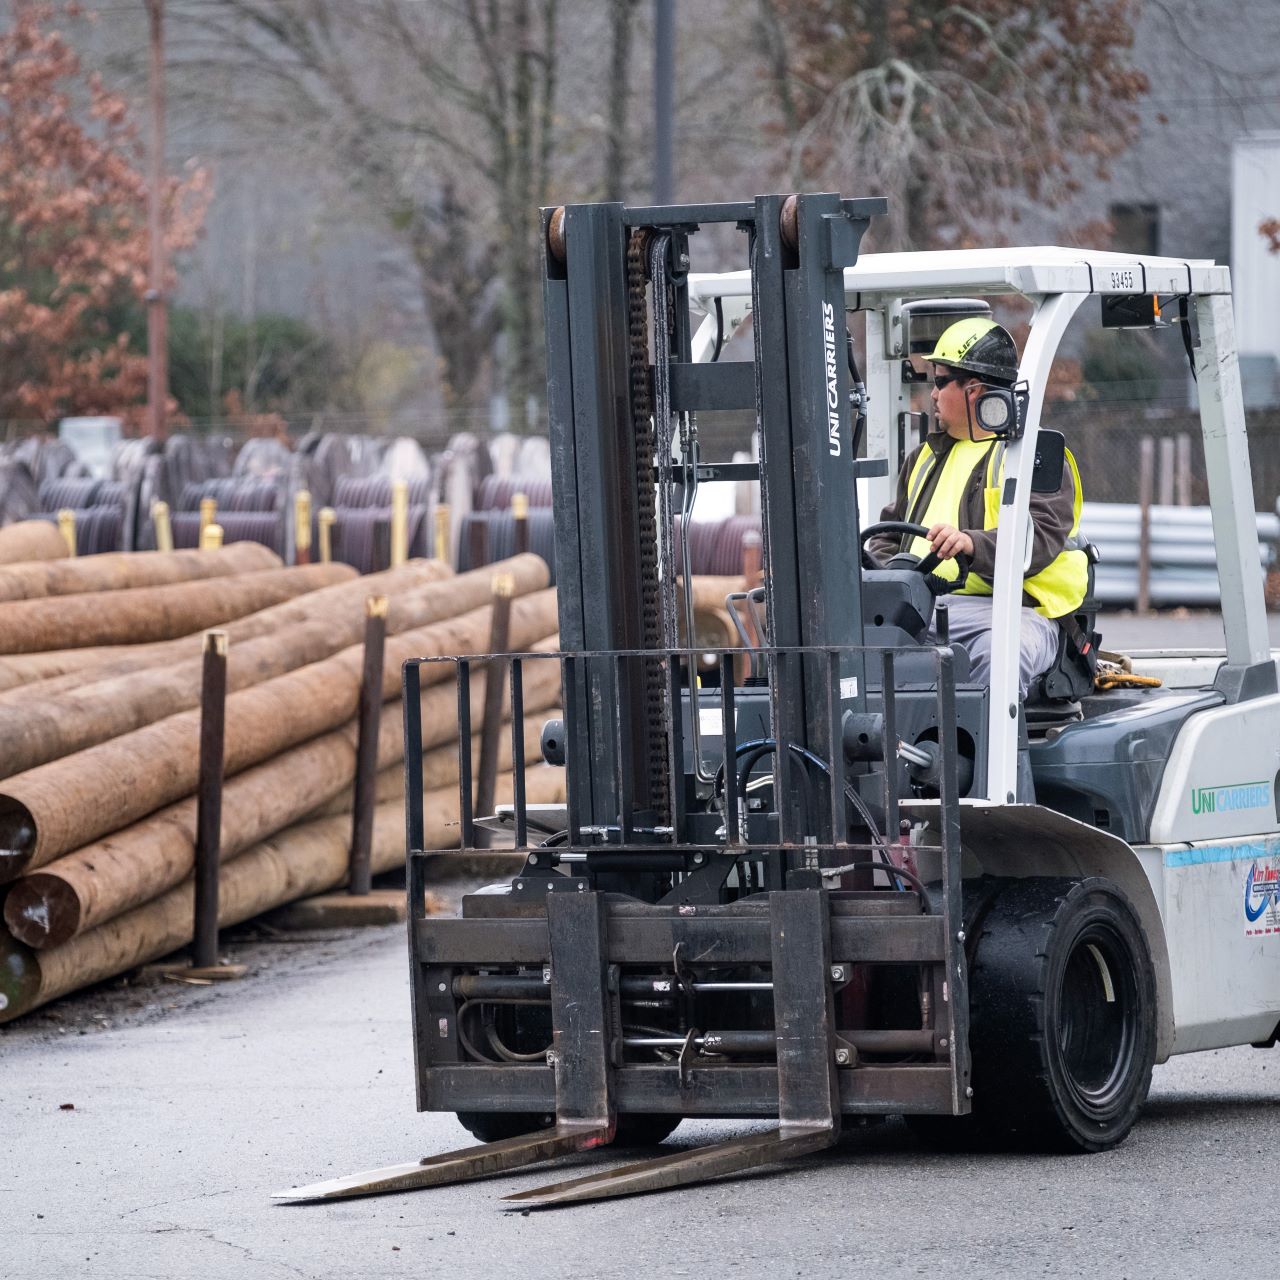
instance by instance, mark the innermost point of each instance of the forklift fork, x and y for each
(808, 1088)
(584, 1046)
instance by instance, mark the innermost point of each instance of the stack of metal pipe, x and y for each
(100, 726)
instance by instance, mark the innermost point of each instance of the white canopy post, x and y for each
(1053, 314)
(1226, 460)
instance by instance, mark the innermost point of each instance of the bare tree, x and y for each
(961, 114)
(442, 116)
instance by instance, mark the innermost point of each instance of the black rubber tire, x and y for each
(967, 1132)
(639, 1130)
(1062, 1025)
(644, 1129)
(493, 1126)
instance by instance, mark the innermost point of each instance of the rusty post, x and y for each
(302, 527)
(213, 697)
(520, 513)
(67, 527)
(208, 513)
(442, 533)
(326, 520)
(163, 526)
(359, 872)
(1165, 491)
(495, 677)
(1182, 475)
(477, 543)
(1146, 482)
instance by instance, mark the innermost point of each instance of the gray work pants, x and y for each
(971, 627)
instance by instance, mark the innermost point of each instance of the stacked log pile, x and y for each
(100, 664)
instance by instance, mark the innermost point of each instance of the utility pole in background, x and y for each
(664, 56)
(157, 312)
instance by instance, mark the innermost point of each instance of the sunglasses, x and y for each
(942, 379)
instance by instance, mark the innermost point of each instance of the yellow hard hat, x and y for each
(978, 346)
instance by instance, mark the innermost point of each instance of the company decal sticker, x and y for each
(1262, 897)
(1243, 795)
(1257, 864)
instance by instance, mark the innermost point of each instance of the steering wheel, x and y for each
(924, 566)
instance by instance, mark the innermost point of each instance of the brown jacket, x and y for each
(1052, 514)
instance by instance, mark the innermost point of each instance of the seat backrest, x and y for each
(1070, 676)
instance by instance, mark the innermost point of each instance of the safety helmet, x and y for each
(978, 346)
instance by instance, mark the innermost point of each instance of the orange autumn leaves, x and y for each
(73, 227)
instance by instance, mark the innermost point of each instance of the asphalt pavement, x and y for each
(149, 1148)
(143, 1128)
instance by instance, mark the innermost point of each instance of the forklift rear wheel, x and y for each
(633, 1130)
(1062, 1015)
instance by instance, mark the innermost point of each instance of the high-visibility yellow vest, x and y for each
(1060, 587)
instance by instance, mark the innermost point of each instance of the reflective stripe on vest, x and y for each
(1059, 588)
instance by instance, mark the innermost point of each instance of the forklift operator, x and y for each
(951, 483)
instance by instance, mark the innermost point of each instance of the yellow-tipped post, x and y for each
(67, 527)
(399, 522)
(208, 514)
(302, 527)
(326, 520)
(164, 529)
(211, 537)
(520, 514)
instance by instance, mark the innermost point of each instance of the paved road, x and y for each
(190, 1114)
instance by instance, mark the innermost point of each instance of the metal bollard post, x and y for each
(326, 520)
(359, 870)
(211, 537)
(520, 513)
(441, 543)
(1146, 482)
(67, 527)
(478, 543)
(399, 522)
(163, 528)
(213, 697)
(302, 527)
(504, 588)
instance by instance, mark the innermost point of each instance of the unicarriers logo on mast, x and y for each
(833, 393)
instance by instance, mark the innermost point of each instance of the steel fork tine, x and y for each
(454, 1166)
(680, 1168)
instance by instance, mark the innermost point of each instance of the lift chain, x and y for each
(642, 417)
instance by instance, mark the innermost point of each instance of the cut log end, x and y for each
(42, 911)
(17, 838)
(19, 979)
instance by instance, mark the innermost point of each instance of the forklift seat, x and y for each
(1056, 693)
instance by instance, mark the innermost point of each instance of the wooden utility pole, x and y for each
(157, 313)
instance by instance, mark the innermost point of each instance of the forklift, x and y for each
(826, 876)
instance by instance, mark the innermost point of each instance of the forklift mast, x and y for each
(615, 473)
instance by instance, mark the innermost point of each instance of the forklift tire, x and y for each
(639, 1130)
(1062, 1027)
(494, 1126)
